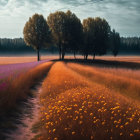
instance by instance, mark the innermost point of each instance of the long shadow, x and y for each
(105, 63)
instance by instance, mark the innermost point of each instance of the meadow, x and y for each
(80, 99)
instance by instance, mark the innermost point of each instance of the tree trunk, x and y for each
(38, 55)
(94, 56)
(60, 51)
(63, 55)
(74, 55)
(86, 56)
(63, 51)
(60, 55)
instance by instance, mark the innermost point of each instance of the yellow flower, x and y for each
(117, 126)
(131, 135)
(75, 105)
(47, 126)
(66, 128)
(126, 123)
(80, 122)
(88, 96)
(130, 119)
(91, 114)
(121, 134)
(91, 137)
(73, 133)
(103, 123)
(121, 126)
(69, 108)
(136, 130)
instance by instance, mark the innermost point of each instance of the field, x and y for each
(78, 99)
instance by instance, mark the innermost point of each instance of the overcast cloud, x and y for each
(123, 15)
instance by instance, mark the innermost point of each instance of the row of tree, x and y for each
(129, 45)
(65, 30)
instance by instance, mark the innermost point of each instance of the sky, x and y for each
(122, 15)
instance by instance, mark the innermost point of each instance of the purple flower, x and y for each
(12, 71)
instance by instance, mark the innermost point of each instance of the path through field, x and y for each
(29, 116)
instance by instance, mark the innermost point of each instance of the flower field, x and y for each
(77, 101)
(75, 107)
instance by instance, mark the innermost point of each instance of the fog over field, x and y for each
(123, 15)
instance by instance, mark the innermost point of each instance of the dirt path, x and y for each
(29, 116)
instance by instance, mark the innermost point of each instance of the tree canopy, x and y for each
(65, 30)
(36, 32)
(96, 36)
(115, 42)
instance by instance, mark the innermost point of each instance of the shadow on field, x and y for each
(105, 63)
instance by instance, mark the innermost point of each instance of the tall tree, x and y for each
(115, 42)
(89, 36)
(74, 32)
(57, 24)
(102, 35)
(36, 33)
(96, 32)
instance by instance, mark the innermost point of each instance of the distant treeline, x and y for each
(17, 45)
(13, 45)
(128, 45)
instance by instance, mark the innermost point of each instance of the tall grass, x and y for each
(74, 108)
(20, 86)
(125, 81)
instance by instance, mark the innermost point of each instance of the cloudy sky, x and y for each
(122, 15)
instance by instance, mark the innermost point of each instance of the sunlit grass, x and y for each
(125, 81)
(73, 107)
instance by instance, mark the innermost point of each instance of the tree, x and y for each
(74, 32)
(88, 29)
(36, 33)
(102, 36)
(96, 34)
(57, 24)
(115, 42)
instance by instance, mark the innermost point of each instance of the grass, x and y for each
(124, 81)
(92, 100)
(17, 90)
(18, 87)
(24, 59)
(74, 107)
